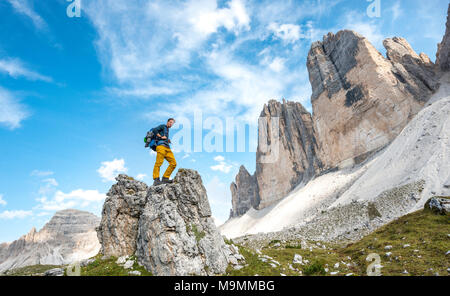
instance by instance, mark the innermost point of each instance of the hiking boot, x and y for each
(166, 181)
(156, 182)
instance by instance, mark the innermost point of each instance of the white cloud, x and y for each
(207, 18)
(15, 68)
(141, 177)
(219, 158)
(19, 214)
(12, 113)
(277, 64)
(39, 173)
(196, 53)
(222, 165)
(25, 7)
(167, 35)
(76, 198)
(110, 169)
(286, 32)
(2, 201)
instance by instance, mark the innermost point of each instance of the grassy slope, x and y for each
(108, 267)
(427, 234)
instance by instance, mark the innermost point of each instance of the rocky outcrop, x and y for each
(417, 72)
(177, 235)
(361, 100)
(443, 53)
(244, 193)
(438, 205)
(118, 230)
(170, 225)
(286, 154)
(68, 237)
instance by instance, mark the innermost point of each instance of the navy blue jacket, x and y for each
(163, 130)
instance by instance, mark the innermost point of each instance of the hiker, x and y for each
(163, 152)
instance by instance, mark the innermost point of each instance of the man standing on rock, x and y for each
(163, 152)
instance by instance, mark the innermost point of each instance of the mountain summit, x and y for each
(168, 227)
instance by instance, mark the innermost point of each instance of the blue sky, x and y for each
(78, 94)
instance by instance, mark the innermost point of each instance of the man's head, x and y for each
(170, 122)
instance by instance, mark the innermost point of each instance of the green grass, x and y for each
(427, 235)
(198, 234)
(315, 268)
(108, 267)
(295, 246)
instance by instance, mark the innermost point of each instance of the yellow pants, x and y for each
(162, 152)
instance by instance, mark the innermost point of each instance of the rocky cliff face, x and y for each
(286, 157)
(169, 227)
(443, 53)
(244, 193)
(68, 237)
(295, 159)
(361, 100)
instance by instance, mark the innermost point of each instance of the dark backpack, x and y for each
(150, 140)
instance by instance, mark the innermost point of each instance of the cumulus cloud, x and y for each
(2, 201)
(219, 158)
(76, 198)
(25, 7)
(15, 68)
(222, 165)
(16, 214)
(110, 169)
(208, 18)
(12, 112)
(167, 36)
(286, 32)
(198, 54)
(141, 177)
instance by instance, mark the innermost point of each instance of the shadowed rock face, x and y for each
(443, 53)
(416, 72)
(68, 237)
(123, 205)
(286, 157)
(361, 100)
(244, 193)
(169, 227)
(295, 162)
